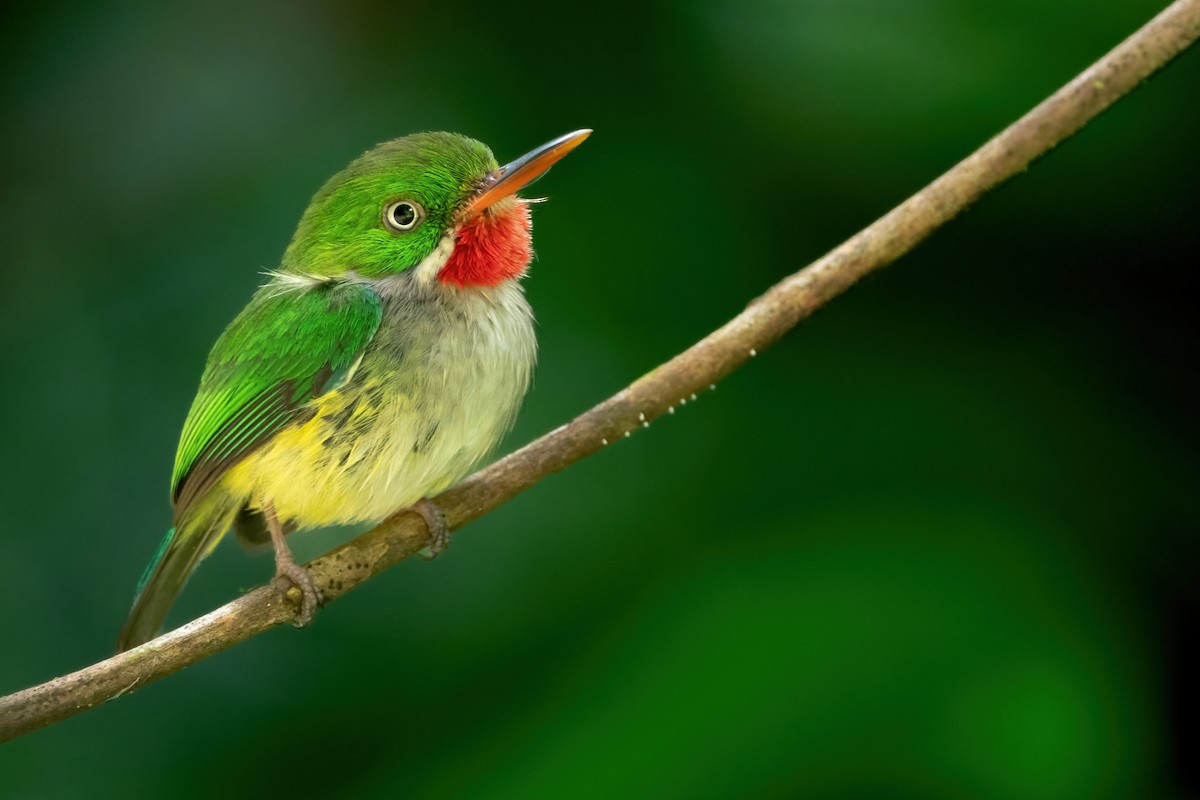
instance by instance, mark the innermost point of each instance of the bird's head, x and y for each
(433, 205)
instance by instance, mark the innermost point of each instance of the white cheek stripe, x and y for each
(427, 271)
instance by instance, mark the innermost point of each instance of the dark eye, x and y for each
(403, 215)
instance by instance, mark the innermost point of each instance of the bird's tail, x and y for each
(184, 546)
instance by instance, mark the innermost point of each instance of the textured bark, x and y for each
(763, 322)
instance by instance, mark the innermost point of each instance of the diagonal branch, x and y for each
(763, 322)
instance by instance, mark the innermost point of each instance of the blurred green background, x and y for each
(938, 543)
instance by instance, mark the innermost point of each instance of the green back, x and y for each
(287, 346)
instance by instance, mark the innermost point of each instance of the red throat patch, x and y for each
(491, 248)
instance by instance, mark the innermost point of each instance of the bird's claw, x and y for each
(435, 521)
(309, 596)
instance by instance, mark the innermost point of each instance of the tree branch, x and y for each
(763, 322)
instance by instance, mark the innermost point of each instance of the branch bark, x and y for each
(763, 322)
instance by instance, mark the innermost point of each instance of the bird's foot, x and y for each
(439, 531)
(309, 596)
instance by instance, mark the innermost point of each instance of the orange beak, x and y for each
(515, 175)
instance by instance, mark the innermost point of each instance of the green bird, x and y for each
(383, 360)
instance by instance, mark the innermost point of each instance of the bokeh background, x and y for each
(940, 542)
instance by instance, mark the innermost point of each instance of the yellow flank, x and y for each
(364, 454)
(293, 463)
(347, 463)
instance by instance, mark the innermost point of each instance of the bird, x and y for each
(376, 366)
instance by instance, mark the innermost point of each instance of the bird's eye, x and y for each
(403, 215)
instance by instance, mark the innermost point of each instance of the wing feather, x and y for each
(275, 357)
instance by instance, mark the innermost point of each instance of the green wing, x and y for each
(286, 347)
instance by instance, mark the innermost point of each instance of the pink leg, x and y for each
(435, 520)
(286, 567)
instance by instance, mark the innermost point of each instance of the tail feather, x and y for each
(182, 549)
